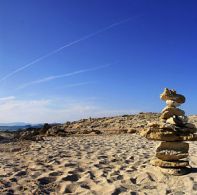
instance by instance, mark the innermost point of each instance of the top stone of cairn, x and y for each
(172, 98)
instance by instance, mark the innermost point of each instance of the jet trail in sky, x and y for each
(63, 47)
(53, 77)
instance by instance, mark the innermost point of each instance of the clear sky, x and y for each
(69, 59)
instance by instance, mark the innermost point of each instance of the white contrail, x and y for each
(63, 47)
(53, 77)
(7, 98)
(76, 85)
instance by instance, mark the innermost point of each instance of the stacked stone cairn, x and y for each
(172, 130)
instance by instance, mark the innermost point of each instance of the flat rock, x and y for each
(175, 111)
(169, 164)
(169, 155)
(168, 136)
(175, 171)
(168, 112)
(164, 125)
(177, 120)
(168, 126)
(172, 150)
(175, 146)
(185, 129)
(169, 133)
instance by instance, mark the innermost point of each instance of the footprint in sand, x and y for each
(10, 192)
(21, 173)
(36, 174)
(71, 188)
(119, 190)
(102, 157)
(70, 164)
(133, 180)
(90, 174)
(55, 173)
(116, 177)
(77, 170)
(71, 177)
(13, 179)
(85, 185)
(46, 180)
(133, 193)
(195, 187)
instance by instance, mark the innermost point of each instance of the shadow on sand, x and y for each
(193, 170)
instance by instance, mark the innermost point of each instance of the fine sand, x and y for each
(107, 164)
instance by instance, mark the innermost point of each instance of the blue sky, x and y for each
(65, 60)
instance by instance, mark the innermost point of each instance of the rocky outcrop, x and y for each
(172, 129)
(34, 134)
(111, 125)
(91, 126)
(135, 123)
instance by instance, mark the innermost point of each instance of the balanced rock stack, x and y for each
(173, 130)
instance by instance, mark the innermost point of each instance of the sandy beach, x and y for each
(98, 97)
(94, 164)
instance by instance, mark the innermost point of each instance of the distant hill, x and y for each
(17, 126)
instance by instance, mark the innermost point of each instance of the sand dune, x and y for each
(107, 164)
